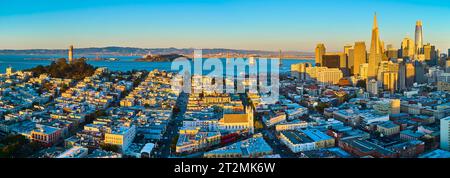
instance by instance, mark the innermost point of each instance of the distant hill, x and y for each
(131, 51)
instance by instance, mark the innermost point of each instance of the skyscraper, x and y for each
(391, 52)
(382, 48)
(390, 81)
(372, 87)
(375, 55)
(320, 51)
(387, 67)
(359, 56)
(383, 51)
(410, 74)
(70, 54)
(408, 48)
(298, 71)
(430, 54)
(334, 60)
(363, 69)
(419, 38)
(280, 56)
(402, 75)
(447, 66)
(419, 69)
(351, 61)
(347, 49)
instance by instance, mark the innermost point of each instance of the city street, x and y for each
(164, 147)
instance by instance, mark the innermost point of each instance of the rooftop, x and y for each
(74, 152)
(388, 124)
(46, 129)
(235, 118)
(412, 133)
(367, 147)
(316, 135)
(436, 154)
(296, 137)
(246, 148)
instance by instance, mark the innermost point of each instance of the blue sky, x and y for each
(241, 24)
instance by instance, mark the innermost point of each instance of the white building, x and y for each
(274, 118)
(371, 117)
(74, 152)
(291, 125)
(296, 141)
(445, 124)
(372, 87)
(306, 140)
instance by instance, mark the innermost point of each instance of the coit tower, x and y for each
(70, 54)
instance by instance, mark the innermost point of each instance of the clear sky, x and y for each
(240, 24)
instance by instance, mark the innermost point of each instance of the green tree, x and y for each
(110, 147)
(361, 84)
(321, 107)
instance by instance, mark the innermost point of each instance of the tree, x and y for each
(321, 107)
(17, 146)
(110, 147)
(258, 125)
(361, 84)
(77, 70)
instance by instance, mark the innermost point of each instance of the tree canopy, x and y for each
(78, 69)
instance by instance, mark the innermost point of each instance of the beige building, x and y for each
(311, 72)
(330, 76)
(238, 122)
(122, 136)
(390, 81)
(388, 128)
(407, 47)
(410, 74)
(359, 57)
(320, 51)
(395, 106)
(291, 126)
(443, 83)
(429, 52)
(392, 53)
(298, 70)
(363, 69)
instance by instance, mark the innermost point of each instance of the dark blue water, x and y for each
(125, 63)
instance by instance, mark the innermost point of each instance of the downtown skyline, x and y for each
(268, 25)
